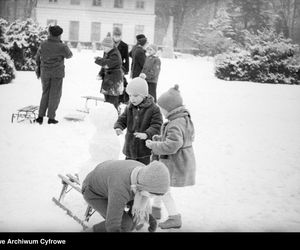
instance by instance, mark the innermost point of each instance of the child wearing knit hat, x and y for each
(142, 119)
(174, 148)
(111, 72)
(151, 69)
(120, 190)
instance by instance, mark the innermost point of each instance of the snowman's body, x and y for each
(104, 144)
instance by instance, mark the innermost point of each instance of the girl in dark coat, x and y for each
(111, 72)
(123, 49)
(143, 120)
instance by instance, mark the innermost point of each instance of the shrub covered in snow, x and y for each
(7, 68)
(267, 58)
(23, 39)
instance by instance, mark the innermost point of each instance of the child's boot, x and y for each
(156, 212)
(174, 221)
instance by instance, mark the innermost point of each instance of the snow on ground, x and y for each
(247, 150)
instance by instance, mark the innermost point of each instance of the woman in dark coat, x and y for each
(111, 72)
(123, 49)
(138, 55)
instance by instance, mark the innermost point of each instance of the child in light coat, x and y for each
(151, 69)
(174, 148)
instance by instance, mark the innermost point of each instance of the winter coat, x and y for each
(123, 49)
(152, 68)
(111, 73)
(144, 118)
(50, 58)
(138, 55)
(175, 148)
(111, 181)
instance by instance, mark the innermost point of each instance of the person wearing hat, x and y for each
(151, 69)
(120, 190)
(51, 69)
(142, 119)
(111, 72)
(123, 49)
(138, 55)
(174, 148)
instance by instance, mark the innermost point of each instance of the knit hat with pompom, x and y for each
(107, 42)
(154, 178)
(171, 99)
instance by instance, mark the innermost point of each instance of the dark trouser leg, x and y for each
(124, 98)
(54, 96)
(100, 205)
(114, 100)
(46, 82)
(152, 89)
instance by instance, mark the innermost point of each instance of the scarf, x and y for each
(141, 204)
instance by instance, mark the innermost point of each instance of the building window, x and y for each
(74, 31)
(118, 4)
(95, 32)
(52, 1)
(140, 5)
(97, 2)
(139, 29)
(51, 22)
(75, 2)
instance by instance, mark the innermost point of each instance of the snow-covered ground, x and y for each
(247, 150)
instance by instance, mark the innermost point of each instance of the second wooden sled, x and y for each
(71, 182)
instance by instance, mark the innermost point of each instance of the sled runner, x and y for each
(26, 113)
(72, 182)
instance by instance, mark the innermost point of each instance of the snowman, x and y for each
(104, 144)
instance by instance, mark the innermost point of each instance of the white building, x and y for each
(92, 20)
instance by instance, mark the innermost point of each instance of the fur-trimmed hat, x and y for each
(171, 99)
(55, 30)
(117, 31)
(137, 86)
(154, 178)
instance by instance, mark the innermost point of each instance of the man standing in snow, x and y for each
(51, 69)
(116, 184)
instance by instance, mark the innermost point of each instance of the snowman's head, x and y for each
(103, 116)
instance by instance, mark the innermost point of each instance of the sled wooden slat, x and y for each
(72, 184)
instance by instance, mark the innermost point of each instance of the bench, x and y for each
(26, 113)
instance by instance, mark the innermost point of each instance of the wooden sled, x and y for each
(71, 182)
(26, 113)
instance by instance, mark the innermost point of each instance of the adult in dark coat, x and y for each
(143, 120)
(50, 67)
(111, 72)
(138, 55)
(123, 49)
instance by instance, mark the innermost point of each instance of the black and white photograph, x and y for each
(149, 116)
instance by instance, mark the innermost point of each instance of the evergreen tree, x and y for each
(252, 15)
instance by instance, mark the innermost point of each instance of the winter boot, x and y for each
(156, 212)
(174, 221)
(152, 224)
(39, 120)
(52, 121)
